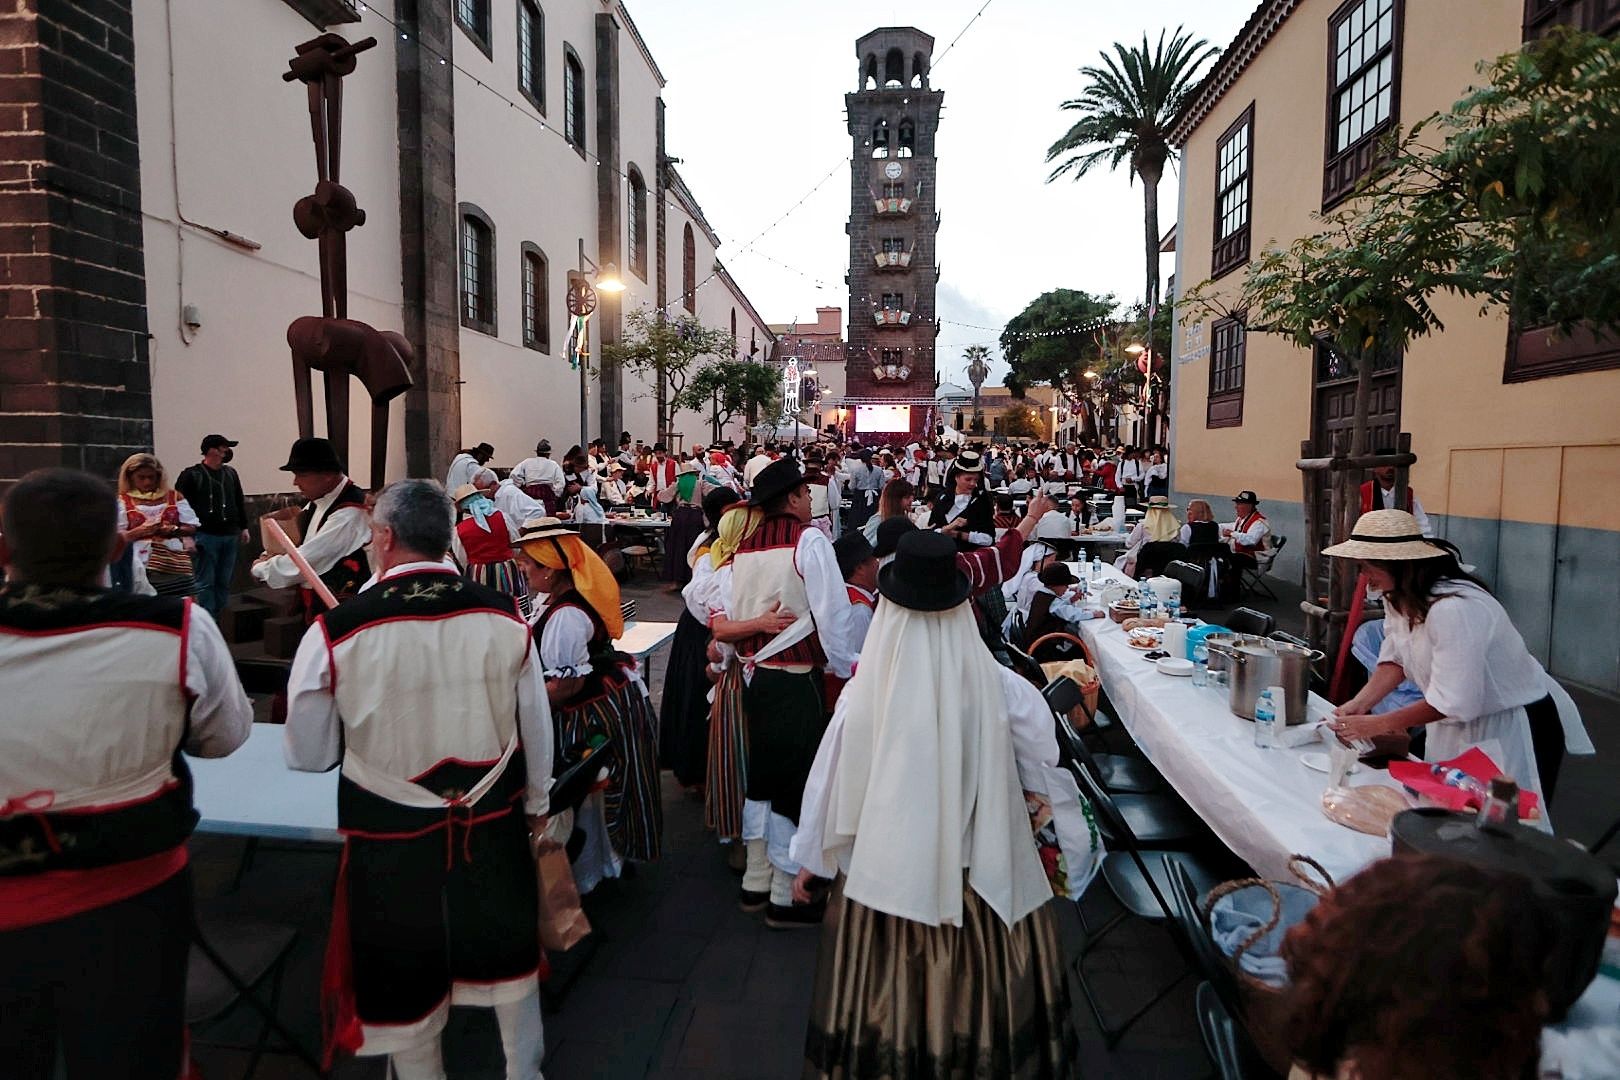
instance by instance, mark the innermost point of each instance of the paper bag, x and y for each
(288, 518)
(562, 921)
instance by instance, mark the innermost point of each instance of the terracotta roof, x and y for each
(1260, 28)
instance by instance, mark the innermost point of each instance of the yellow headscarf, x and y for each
(592, 578)
(1161, 524)
(736, 525)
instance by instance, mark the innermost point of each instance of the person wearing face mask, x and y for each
(215, 493)
(482, 545)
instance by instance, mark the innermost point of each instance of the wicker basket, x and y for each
(1090, 687)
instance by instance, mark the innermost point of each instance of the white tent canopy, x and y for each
(784, 429)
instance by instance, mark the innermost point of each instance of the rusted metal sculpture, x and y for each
(332, 343)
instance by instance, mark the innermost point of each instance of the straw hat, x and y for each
(1385, 536)
(1160, 502)
(465, 491)
(542, 527)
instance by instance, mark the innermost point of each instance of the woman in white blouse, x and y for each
(1450, 636)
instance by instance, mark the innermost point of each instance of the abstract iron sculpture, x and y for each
(332, 343)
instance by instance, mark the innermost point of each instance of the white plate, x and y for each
(1175, 665)
(1319, 760)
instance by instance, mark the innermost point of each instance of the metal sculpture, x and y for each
(332, 343)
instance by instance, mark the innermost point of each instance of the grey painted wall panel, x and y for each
(1586, 608)
(1524, 579)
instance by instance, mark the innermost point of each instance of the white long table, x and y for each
(1263, 804)
(253, 793)
(642, 638)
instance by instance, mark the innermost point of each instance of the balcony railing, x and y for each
(887, 207)
(896, 259)
(886, 317)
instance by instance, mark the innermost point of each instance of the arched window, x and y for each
(908, 138)
(869, 72)
(734, 333)
(689, 270)
(880, 139)
(477, 270)
(536, 299)
(531, 44)
(919, 71)
(894, 68)
(573, 98)
(636, 218)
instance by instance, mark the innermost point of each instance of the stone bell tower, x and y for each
(893, 116)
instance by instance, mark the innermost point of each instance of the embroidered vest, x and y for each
(1243, 526)
(348, 573)
(1367, 495)
(90, 766)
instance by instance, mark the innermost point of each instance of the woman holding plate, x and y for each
(1453, 639)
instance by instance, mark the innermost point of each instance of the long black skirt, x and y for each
(685, 526)
(683, 717)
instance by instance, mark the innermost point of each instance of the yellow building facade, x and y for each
(1517, 436)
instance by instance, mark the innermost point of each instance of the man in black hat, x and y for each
(466, 463)
(215, 492)
(333, 528)
(1246, 537)
(786, 564)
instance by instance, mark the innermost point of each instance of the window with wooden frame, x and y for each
(689, 269)
(531, 45)
(477, 270)
(1234, 193)
(473, 17)
(536, 299)
(636, 219)
(1364, 90)
(1226, 361)
(1541, 352)
(573, 99)
(1594, 16)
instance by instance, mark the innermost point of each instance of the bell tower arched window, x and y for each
(919, 71)
(880, 138)
(869, 72)
(908, 138)
(894, 68)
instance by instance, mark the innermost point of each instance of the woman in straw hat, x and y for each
(1450, 636)
(482, 545)
(595, 694)
(940, 954)
(1159, 525)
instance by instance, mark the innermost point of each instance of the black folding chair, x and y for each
(232, 959)
(1119, 773)
(1137, 889)
(1246, 620)
(1253, 580)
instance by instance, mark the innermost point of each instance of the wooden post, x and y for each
(1313, 558)
(1338, 586)
(1403, 445)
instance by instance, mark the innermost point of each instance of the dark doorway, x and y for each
(1333, 416)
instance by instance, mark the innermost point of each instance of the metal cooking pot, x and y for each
(1261, 662)
(1219, 644)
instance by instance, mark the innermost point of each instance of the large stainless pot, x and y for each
(1261, 662)
(1219, 644)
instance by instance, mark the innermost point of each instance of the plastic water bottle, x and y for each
(1265, 721)
(1150, 603)
(1083, 560)
(1172, 609)
(1200, 659)
(1096, 568)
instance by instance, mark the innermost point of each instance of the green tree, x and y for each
(1126, 109)
(1053, 339)
(1022, 421)
(665, 349)
(726, 388)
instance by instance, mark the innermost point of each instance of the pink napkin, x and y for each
(1417, 776)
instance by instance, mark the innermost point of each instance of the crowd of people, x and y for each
(836, 690)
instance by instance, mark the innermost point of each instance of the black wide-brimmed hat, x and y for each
(775, 480)
(924, 576)
(716, 501)
(313, 455)
(889, 532)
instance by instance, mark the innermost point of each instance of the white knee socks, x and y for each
(523, 1037)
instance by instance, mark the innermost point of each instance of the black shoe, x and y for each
(752, 901)
(795, 917)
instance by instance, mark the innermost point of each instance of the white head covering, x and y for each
(926, 784)
(1032, 551)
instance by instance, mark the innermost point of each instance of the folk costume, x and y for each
(426, 688)
(784, 561)
(103, 691)
(335, 528)
(685, 494)
(482, 546)
(940, 956)
(683, 714)
(166, 562)
(574, 632)
(976, 507)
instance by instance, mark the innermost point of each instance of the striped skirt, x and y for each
(728, 757)
(632, 802)
(503, 577)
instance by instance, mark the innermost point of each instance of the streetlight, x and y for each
(581, 303)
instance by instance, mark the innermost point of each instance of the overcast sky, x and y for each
(756, 110)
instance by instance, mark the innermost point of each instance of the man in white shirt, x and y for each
(1379, 494)
(755, 464)
(334, 527)
(465, 463)
(539, 469)
(1246, 536)
(446, 770)
(515, 506)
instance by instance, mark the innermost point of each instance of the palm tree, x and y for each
(978, 370)
(1126, 109)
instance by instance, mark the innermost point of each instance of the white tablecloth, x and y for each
(253, 793)
(1263, 804)
(641, 638)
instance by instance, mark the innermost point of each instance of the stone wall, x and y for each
(75, 384)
